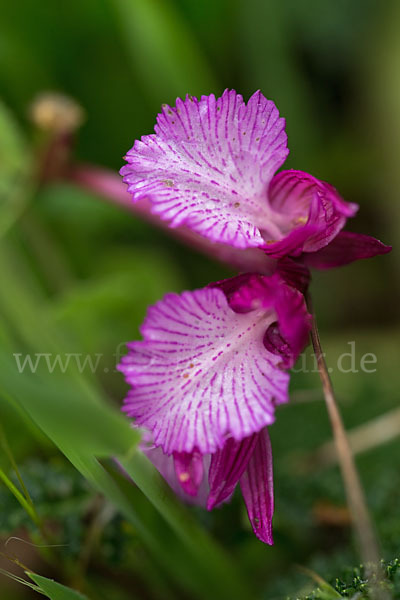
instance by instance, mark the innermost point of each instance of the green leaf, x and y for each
(14, 168)
(54, 590)
(76, 417)
(204, 571)
(80, 424)
(85, 429)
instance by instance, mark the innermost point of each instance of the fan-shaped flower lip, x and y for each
(210, 166)
(202, 372)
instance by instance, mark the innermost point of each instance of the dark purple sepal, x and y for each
(258, 488)
(344, 249)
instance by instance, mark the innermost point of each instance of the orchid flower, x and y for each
(213, 363)
(205, 381)
(210, 166)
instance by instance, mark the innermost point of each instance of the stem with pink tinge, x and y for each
(367, 542)
(109, 185)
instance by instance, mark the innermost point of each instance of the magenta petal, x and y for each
(258, 489)
(344, 249)
(313, 208)
(293, 243)
(293, 322)
(230, 288)
(290, 271)
(226, 468)
(258, 291)
(189, 471)
(209, 164)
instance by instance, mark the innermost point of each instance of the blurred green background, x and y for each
(78, 273)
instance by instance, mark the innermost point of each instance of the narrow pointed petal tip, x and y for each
(258, 489)
(346, 248)
(203, 372)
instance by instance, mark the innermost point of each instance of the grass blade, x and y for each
(54, 590)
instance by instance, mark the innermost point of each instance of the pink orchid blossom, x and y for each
(210, 167)
(213, 363)
(205, 381)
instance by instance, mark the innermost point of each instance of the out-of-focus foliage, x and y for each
(354, 584)
(77, 275)
(14, 168)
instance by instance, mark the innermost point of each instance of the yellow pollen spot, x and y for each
(186, 375)
(301, 220)
(191, 366)
(270, 242)
(183, 477)
(168, 182)
(236, 205)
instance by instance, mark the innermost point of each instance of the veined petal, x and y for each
(314, 211)
(209, 166)
(344, 249)
(202, 372)
(226, 468)
(189, 471)
(288, 335)
(258, 488)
